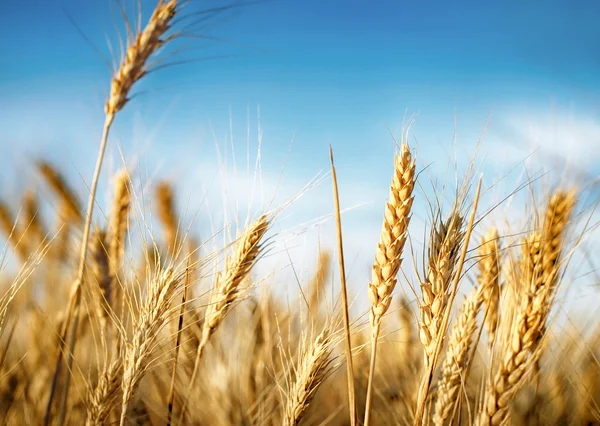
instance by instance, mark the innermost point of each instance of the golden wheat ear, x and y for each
(388, 254)
(454, 367)
(489, 280)
(540, 270)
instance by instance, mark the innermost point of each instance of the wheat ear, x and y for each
(227, 289)
(489, 280)
(454, 365)
(118, 224)
(541, 257)
(315, 364)
(132, 68)
(56, 182)
(444, 248)
(153, 314)
(432, 358)
(166, 215)
(389, 251)
(103, 398)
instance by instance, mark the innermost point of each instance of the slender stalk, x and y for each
(177, 346)
(72, 319)
(427, 378)
(349, 364)
(81, 268)
(374, 338)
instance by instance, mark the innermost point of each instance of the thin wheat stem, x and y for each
(348, 341)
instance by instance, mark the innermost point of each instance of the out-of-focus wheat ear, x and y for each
(540, 270)
(319, 280)
(166, 215)
(314, 366)
(489, 280)
(557, 394)
(444, 248)
(226, 290)
(587, 388)
(118, 224)
(102, 280)
(34, 233)
(406, 335)
(454, 367)
(388, 254)
(154, 312)
(67, 199)
(11, 231)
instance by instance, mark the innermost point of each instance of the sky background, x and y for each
(345, 73)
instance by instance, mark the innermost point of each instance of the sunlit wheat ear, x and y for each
(388, 254)
(454, 367)
(67, 199)
(393, 235)
(153, 314)
(540, 269)
(489, 280)
(102, 400)
(165, 207)
(444, 248)
(135, 63)
(314, 365)
(227, 287)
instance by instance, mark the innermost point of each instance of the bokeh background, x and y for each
(242, 114)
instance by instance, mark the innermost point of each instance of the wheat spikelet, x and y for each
(489, 280)
(454, 366)
(444, 248)
(153, 314)
(540, 267)
(393, 235)
(69, 206)
(166, 214)
(134, 65)
(314, 367)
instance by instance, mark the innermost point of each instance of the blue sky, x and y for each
(322, 72)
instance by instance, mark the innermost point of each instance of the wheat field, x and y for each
(100, 324)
